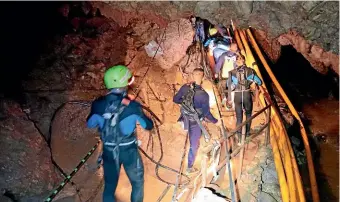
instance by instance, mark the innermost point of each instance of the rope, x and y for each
(137, 90)
(89, 154)
(69, 177)
(180, 168)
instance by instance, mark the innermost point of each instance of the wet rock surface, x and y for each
(73, 68)
(259, 180)
(26, 167)
(319, 58)
(315, 28)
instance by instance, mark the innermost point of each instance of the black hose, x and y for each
(161, 158)
(68, 177)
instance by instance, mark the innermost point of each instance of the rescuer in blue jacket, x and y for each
(241, 79)
(116, 116)
(199, 99)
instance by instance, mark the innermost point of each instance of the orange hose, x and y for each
(279, 167)
(312, 177)
(277, 120)
(282, 141)
(285, 194)
(239, 42)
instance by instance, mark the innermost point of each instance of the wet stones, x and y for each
(269, 175)
(272, 189)
(264, 197)
(259, 176)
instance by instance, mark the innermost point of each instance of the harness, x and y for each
(111, 136)
(243, 83)
(188, 109)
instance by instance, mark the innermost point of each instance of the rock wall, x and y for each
(319, 59)
(25, 162)
(310, 26)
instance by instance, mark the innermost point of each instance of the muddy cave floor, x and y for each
(258, 169)
(78, 63)
(70, 139)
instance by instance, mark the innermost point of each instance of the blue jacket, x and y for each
(201, 101)
(128, 118)
(249, 76)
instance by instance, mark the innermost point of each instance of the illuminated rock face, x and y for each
(74, 67)
(311, 27)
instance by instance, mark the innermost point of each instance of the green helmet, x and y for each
(117, 77)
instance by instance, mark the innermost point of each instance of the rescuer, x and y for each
(201, 27)
(194, 101)
(226, 60)
(240, 80)
(116, 115)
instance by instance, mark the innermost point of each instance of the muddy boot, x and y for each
(191, 171)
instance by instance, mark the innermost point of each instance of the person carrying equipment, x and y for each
(225, 61)
(116, 116)
(239, 81)
(218, 38)
(201, 27)
(194, 101)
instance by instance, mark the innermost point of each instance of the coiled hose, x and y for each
(153, 117)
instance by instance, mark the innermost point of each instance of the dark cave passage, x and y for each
(301, 81)
(26, 27)
(316, 96)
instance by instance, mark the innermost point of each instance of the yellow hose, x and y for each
(239, 42)
(282, 142)
(311, 170)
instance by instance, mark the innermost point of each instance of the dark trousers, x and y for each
(194, 138)
(243, 100)
(133, 165)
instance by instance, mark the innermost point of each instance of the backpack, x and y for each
(111, 130)
(189, 110)
(188, 102)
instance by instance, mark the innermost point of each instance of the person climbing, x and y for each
(194, 100)
(215, 46)
(219, 37)
(115, 115)
(201, 27)
(225, 60)
(240, 80)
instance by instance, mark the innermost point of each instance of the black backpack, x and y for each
(188, 101)
(187, 107)
(111, 130)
